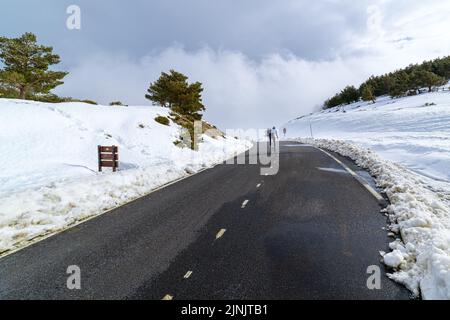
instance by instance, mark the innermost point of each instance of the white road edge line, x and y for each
(259, 185)
(372, 191)
(244, 204)
(188, 275)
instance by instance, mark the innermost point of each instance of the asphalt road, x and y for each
(309, 232)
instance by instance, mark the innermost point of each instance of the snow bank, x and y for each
(419, 212)
(49, 178)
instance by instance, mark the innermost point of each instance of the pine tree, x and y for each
(409, 80)
(26, 66)
(350, 94)
(173, 91)
(432, 80)
(367, 94)
(333, 102)
(399, 84)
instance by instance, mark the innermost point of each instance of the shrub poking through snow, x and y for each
(117, 103)
(90, 102)
(162, 120)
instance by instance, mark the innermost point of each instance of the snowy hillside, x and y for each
(405, 144)
(412, 131)
(49, 178)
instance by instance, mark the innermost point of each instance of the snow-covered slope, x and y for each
(405, 144)
(48, 162)
(410, 131)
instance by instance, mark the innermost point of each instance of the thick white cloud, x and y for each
(239, 92)
(243, 90)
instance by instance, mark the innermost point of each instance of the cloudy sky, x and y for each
(262, 62)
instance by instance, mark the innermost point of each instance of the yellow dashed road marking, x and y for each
(220, 233)
(167, 297)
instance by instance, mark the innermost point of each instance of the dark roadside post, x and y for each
(108, 156)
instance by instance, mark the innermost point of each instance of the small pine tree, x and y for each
(423, 78)
(333, 102)
(367, 94)
(26, 66)
(349, 95)
(173, 91)
(432, 80)
(399, 84)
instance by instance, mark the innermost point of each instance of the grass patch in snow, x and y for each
(162, 120)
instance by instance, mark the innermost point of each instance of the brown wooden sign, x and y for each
(108, 157)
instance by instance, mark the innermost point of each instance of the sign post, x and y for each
(108, 156)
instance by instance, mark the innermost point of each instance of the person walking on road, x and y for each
(274, 136)
(269, 136)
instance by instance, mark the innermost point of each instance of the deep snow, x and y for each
(406, 131)
(48, 162)
(405, 144)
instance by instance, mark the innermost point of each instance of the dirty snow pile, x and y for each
(405, 145)
(49, 164)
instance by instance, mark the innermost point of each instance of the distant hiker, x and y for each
(269, 136)
(274, 136)
(284, 131)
